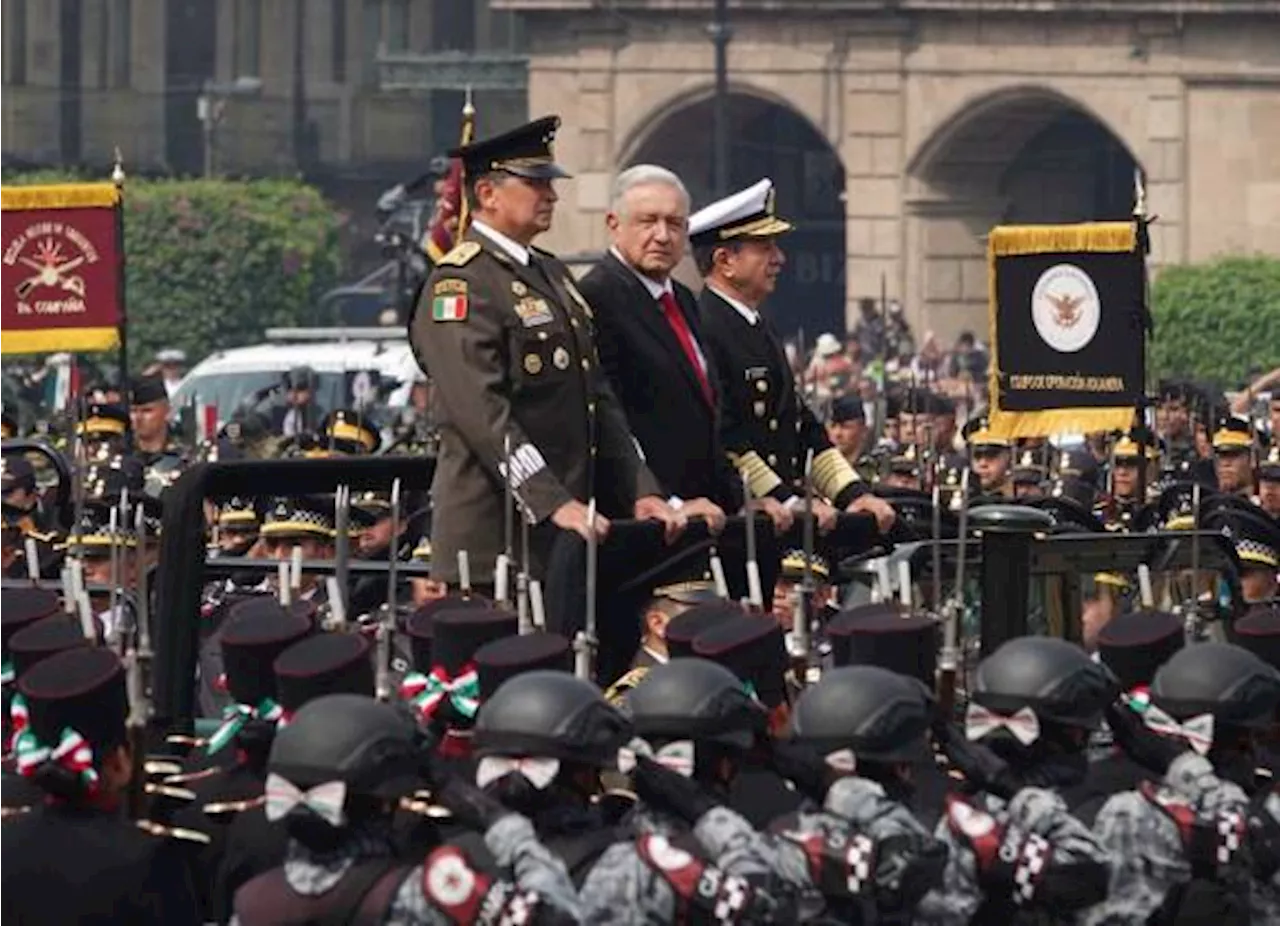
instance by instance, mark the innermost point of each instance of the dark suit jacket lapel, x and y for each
(649, 312)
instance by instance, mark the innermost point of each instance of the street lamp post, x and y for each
(211, 106)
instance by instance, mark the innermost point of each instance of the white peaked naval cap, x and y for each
(748, 213)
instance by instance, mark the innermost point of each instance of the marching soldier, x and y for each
(1233, 450)
(767, 427)
(1175, 844)
(990, 457)
(75, 860)
(1129, 454)
(334, 774)
(1013, 844)
(507, 340)
(543, 739)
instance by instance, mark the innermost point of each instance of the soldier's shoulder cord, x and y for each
(461, 255)
(616, 692)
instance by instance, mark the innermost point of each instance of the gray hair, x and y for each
(644, 175)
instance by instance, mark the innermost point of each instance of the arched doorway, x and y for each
(770, 140)
(1028, 156)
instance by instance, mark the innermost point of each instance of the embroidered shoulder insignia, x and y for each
(462, 253)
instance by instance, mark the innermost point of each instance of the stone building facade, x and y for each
(899, 132)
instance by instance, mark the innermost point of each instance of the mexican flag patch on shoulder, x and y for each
(449, 301)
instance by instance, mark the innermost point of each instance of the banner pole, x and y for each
(117, 177)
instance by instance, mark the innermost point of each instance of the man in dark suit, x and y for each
(767, 427)
(650, 343)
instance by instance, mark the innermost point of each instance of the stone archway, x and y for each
(768, 139)
(1023, 156)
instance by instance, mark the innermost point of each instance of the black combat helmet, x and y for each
(550, 714)
(1055, 679)
(698, 699)
(881, 715)
(367, 745)
(1221, 679)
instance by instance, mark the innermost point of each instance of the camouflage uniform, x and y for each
(651, 880)
(1034, 829)
(540, 886)
(1147, 847)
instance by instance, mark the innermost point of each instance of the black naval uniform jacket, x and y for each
(767, 427)
(665, 404)
(65, 864)
(510, 350)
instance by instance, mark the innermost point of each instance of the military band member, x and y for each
(1233, 449)
(990, 456)
(767, 427)
(507, 339)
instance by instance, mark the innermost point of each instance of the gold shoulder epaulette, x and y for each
(613, 694)
(462, 254)
(220, 807)
(173, 832)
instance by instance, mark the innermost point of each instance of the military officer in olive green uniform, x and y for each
(508, 341)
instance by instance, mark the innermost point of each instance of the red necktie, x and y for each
(675, 318)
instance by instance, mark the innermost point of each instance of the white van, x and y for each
(347, 362)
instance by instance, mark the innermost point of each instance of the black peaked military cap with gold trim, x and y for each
(349, 432)
(104, 419)
(525, 151)
(239, 513)
(977, 433)
(302, 516)
(1255, 534)
(748, 213)
(690, 593)
(791, 567)
(1269, 466)
(1232, 434)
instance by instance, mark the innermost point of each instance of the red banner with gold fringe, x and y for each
(62, 253)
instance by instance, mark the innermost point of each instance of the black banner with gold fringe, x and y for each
(1067, 311)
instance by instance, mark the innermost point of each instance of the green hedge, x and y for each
(213, 263)
(1217, 322)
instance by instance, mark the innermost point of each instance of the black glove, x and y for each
(801, 765)
(663, 789)
(1150, 750)
(470, 806)
(981, 767)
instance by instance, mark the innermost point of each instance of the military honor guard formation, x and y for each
(642, 614)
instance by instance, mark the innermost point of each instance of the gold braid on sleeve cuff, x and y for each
(761, 480)
(832, 473)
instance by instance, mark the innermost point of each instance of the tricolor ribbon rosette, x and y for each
(981, 721)
(1196, 731)
(6, 672)
(677, 755)
(427, 692)
(235, 716)
(72, 752)
(19, 717)
(324, 800)
(539, 771)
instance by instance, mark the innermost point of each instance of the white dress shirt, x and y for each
(519, 253)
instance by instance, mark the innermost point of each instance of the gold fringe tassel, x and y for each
(1094, 237)
(831, 473)
(1010, 425)
(1015, 240)
(49, 340)
(60, 196)
(761, 479)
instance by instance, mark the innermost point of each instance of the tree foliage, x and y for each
(1217, 322)
(210, 264)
